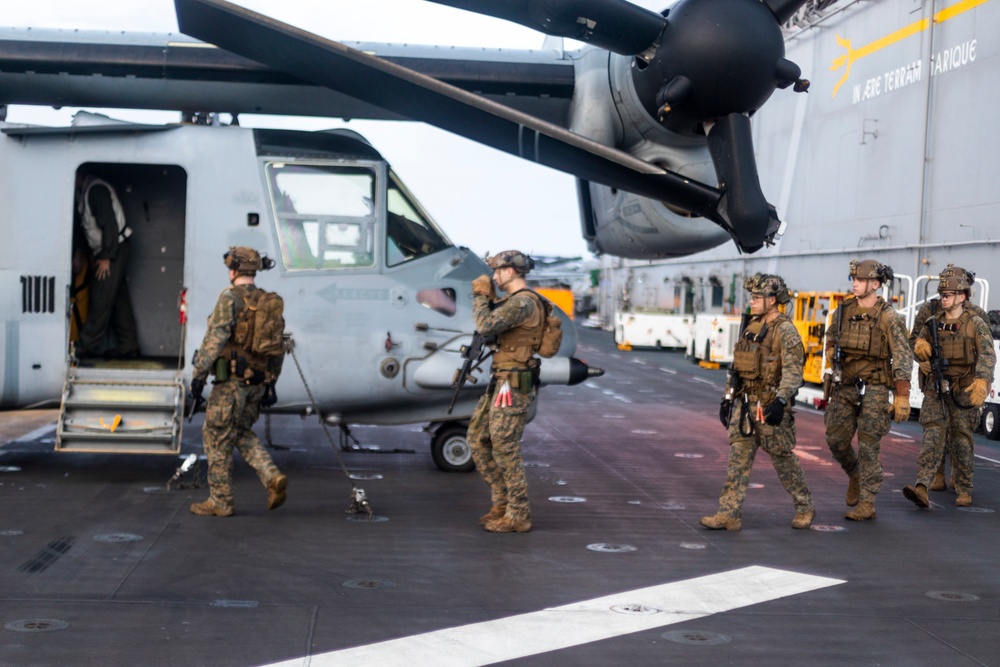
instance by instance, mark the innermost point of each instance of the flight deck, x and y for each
(100, 564)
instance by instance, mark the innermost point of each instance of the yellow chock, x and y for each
(713, 365)
(625, 347)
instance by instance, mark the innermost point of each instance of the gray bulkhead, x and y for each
(899, 163)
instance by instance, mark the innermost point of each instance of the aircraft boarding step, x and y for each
(121, 411)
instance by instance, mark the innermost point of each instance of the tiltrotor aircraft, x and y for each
(377, 298)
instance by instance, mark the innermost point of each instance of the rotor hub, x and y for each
(715, 57)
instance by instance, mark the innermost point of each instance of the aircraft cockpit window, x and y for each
(439, 300)
(411, 234)
(325, 215)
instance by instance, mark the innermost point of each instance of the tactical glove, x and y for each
(725, 410)
(977, 392)
(482, 286)
(900, 408)
(775, 412)
(922, 349)
(270, 396)
(197, 387)
(925, 367)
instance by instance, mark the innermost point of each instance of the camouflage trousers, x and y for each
(950, 426)
(871, 423)
(779, 442)
(229, 418)
(495, 440)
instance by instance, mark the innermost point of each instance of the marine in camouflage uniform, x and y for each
(497, 423)
(928, 309)
(951, 408)
(877, 361)
(757, 410)
(234, 404)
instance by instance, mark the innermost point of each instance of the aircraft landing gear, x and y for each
(450, 448)
(991, 421)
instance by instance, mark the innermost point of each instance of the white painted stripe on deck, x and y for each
(579, 623)
(812, 457)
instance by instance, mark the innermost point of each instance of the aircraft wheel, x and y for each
(450, 449)
(991, 422)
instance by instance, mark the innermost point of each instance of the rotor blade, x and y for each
(784, 9)
(615, 25)
(731, 146)
(423, 98)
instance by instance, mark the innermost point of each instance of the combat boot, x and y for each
(803, 519)
(917, 495)
(495, 513)
(853, 491)
(963, 500)
(938, 483)
(210, 508)
(721, 522)
(864, 511)
(276, 487)
(505, 524)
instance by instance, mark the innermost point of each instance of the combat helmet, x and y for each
(768, 285)
(869, 269)
(246, 261)
(513, 258)
(956, 279)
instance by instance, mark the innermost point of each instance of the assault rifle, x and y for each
(734, 383)
(836, 376)
(939, 365)
(473, 357)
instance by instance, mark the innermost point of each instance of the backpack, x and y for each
(551, 330)
(260, 325)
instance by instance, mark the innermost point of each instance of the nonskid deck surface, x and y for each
(99, 565)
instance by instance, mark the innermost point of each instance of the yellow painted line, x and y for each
(854, 55)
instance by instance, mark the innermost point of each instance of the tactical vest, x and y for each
(864, 339)
(90, 227)
(757, 359)
(516, 347)
(958, 346)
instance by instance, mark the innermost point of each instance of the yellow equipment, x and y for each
(811, 316)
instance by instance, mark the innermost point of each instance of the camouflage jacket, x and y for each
(219, 331)
(505, 314)
(792, 359)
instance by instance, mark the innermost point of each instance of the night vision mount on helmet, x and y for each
(512, 258)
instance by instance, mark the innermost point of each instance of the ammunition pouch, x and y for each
(960, 351)
(221, 369)
(523, 380)
(748, 360)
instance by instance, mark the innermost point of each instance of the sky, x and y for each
(482, 198)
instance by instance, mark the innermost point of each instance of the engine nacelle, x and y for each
(607, 109)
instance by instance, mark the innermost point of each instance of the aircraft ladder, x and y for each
(122, 411)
